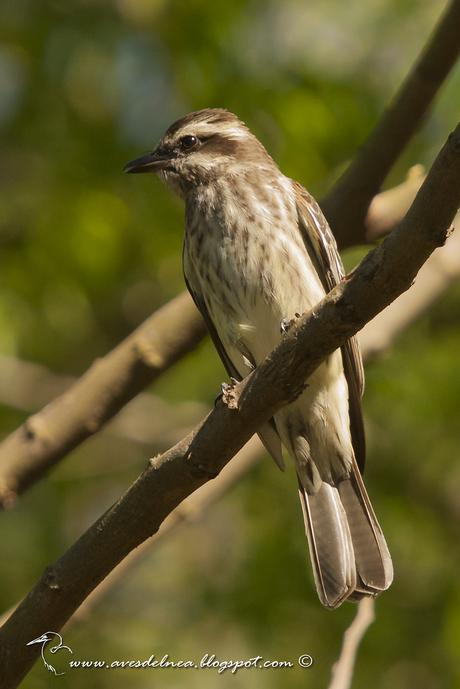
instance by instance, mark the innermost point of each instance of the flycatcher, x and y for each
(258, 250)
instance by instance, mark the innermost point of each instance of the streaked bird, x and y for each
(258, 250)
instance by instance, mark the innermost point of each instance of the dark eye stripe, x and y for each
(217, 143)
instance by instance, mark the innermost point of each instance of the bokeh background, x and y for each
(87, 253)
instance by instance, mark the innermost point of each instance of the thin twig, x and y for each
(342, 670)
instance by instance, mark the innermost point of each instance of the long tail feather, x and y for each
(373, 560)
(330, 545)
(348, 550)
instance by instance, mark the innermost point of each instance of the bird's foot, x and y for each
(287, 323)
(226, 395)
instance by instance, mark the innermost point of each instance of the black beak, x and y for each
(151, 162)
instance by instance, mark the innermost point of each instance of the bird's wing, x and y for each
(202, 308)
(322, 248)
(267, 433)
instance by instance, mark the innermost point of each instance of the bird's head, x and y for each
(201, 146)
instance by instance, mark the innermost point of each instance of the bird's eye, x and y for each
(188, 142)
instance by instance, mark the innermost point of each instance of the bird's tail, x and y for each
(348, 550)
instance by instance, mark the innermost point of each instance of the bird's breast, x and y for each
(246, 256)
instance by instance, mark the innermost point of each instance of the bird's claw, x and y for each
(287, 323)
(226, 394)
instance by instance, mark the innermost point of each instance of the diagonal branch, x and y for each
(190, 510)
(146, 419)
(109, 384)
(383, 275)
(347, 204)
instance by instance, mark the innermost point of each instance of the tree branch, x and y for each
(342, 670)
(146, 419)
(388, 207)
(436, 275)
(190, 510)
(347, 204)
(386, 272)
(111, 382)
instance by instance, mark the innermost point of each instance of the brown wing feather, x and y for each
(322, 247)
(201, 306)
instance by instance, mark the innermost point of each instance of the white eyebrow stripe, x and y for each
(203, 129)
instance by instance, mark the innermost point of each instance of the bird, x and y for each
(258, 252)
(45, 639)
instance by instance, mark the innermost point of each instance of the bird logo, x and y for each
(45, 640)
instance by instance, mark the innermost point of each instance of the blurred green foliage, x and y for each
(87, 253)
